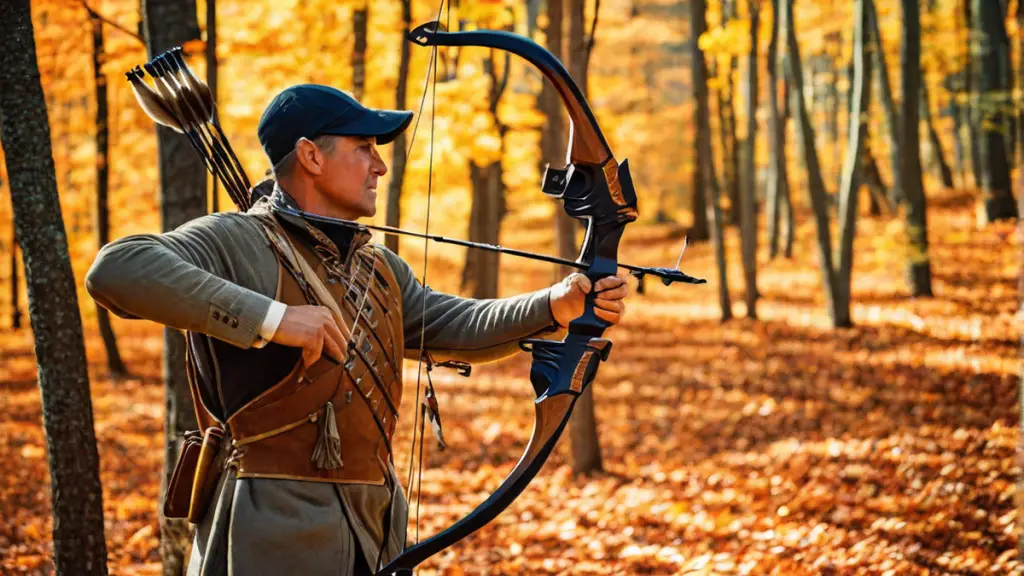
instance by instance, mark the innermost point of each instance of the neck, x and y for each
(310, 200)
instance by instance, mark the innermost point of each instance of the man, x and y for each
(296, 330)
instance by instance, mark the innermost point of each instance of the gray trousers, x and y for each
(265, 526)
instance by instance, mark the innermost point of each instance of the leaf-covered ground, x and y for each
(771, 447)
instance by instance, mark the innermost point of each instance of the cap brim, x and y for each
(385, 125)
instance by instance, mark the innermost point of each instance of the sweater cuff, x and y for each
(270, 323)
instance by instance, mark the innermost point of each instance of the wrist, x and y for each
(271, 321)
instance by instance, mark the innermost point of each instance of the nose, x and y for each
(379, 167)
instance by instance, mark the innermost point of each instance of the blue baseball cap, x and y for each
(311, 110)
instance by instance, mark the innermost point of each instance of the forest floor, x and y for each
(776, 446)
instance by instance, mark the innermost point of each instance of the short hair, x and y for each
(287, 164)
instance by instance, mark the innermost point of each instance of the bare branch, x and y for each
(108, 21)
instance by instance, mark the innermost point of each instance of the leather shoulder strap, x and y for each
(303, 272)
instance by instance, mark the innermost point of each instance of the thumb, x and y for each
(579, 283)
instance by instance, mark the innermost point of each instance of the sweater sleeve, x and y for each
(467, 329)
(208, 276)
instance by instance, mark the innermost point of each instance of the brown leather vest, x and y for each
(275, 435)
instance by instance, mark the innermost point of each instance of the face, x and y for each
(345, 176)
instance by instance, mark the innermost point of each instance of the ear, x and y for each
(310, 157)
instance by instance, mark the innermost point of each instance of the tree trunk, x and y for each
(873, 180)
(815, 184)
(586, 449)
(15, 310)
(934, 144)
(787, 213)
(997, 200)
(398, 151)
(359, 18)
(972, 71)
(850, 183)
(892, 121)
(169, 23)
(554, 141)
(114, 363)
(919, 274)
(837, 105)
(702, 119)
(1020, 116)
(211, 81)
(960, 110)
(700, 231)
(75, 490)
(748, 219)
(480, 273)
(727, 128)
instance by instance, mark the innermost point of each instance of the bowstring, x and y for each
(431, 71)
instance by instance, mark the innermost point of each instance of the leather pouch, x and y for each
(179, 489)
(206, 474)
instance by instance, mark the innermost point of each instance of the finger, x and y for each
(608, 282)
(611, 317)
(614, 293)
(332, 347)
(337, 339)
(610, 305)
(311, 354)
(580, 283)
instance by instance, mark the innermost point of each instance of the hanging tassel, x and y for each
(327, 452)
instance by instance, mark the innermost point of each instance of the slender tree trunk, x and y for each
(481, 269)
(787, 213)
(959, 109)
(873, 180)
(711, 191)
(727, 128)
(892, 120)
(114, 363)
(973, 106)
(480, 272)
(15, 310)
(937, 157)
(398, 151)
(997, 200)
(1020, 118)
(75, 490)
(554, 140)
(212, 71)
(359, 24)
(934, 144)
(919, 273)
(831, 98)
(586, 448)
(748, 218)
(170, 23)
(700, 231)
(852, 166)
(815, 183)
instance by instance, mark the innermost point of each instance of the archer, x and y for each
(296, 326)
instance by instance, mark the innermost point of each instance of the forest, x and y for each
(842, 396)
